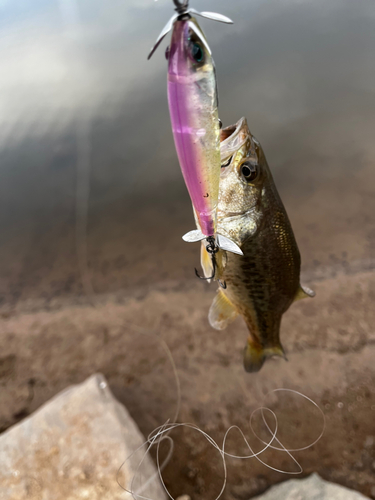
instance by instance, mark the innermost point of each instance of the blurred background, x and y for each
(84, 118)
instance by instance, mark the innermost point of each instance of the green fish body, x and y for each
(263, 283)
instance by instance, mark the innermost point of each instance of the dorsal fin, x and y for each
(222, 311)
(303, 292)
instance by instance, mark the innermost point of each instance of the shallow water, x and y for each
(302, 72)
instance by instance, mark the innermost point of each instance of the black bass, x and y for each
(263, 283)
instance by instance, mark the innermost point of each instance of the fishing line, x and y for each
(265, 396)
(82, 202)
(266, 424)
(69, 11)
(156, 437)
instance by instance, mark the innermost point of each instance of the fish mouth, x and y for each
(232, 138)
(227, 132)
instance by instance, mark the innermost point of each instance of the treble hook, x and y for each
(212, 249)
(182, 9)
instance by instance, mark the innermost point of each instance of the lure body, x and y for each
(193, 107)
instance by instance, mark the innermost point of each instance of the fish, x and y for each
(261, 284)
(193, 107)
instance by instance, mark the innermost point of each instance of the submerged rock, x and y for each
(311, 488)
(73, 447)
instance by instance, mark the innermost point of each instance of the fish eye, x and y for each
(196, 51)
(249, 170)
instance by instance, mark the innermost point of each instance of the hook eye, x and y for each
(181, 7)
(211, 248)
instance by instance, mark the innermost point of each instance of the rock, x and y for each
(73, 447)
(311, 488)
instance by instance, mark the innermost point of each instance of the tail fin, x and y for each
(255, 355)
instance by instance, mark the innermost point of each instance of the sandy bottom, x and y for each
(330, 344)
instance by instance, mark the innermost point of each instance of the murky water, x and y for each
(302, 72)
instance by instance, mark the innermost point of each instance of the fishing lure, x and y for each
(193, 106)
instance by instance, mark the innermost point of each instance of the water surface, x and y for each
(75, 78)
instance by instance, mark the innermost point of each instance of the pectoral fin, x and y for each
(304, 292)
(222, 311)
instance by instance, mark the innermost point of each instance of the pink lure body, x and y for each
(193, 106)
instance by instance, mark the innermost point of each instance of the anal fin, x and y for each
(222, 311)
